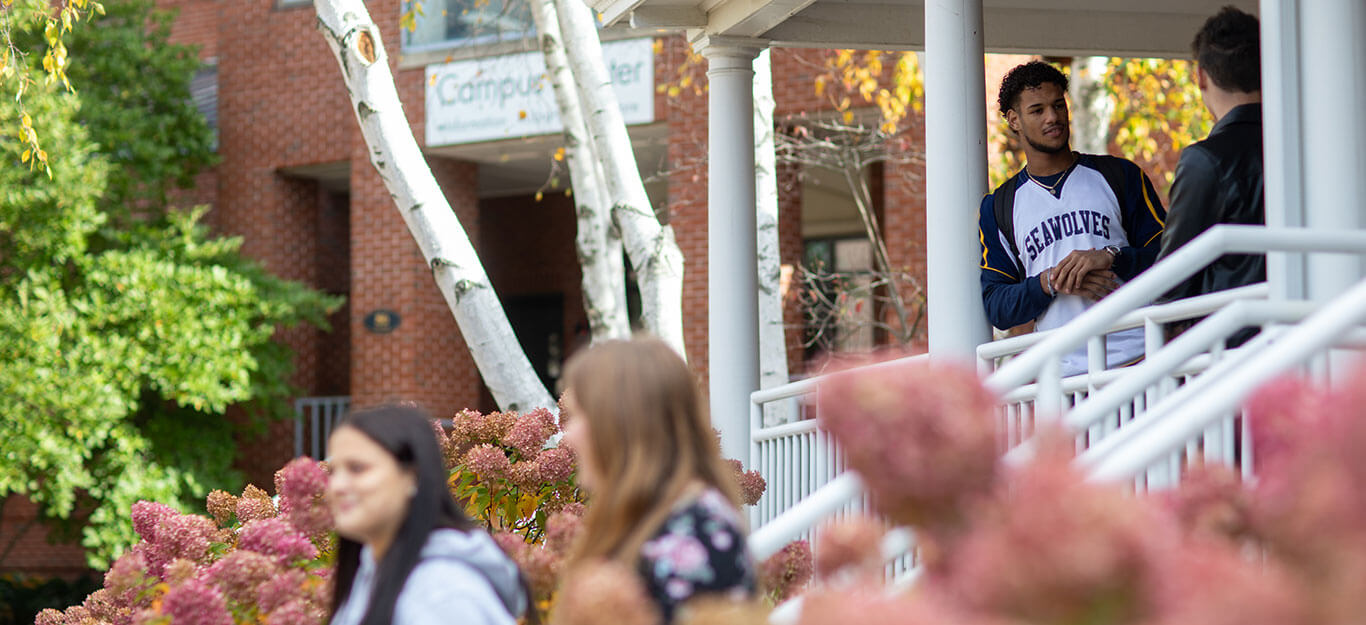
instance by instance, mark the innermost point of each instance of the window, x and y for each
(204, 92)
(838, 295)
(442, 23)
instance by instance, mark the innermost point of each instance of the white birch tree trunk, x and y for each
(772, 338)
(394, 152)
(1091, 105)
(599, 244)
(652, 248)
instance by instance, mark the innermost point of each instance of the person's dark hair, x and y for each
(406, 433)
(1228, 47)
(1027, 76)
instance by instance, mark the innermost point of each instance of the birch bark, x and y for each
(772, 338)
(354, 39)
(651, 246)
(598, 242)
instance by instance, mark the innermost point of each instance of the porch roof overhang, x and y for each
(1153, 28)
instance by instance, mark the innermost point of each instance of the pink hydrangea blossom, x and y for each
(302, 485)
(869, 604)
(147, 517)
(575, 508)
(1210, 582)
(240, 574)
(850, 548)
(169, 535)
(180, 571)
(254, 505)
(525, 474)
(196, 602)
(511, 544)
(50, 616)
(296, 612)
(129, 575)
(104, 606)
(283, 588)
(561, 529)
(222, 506)
(472, 428)
(786, 573)
(598, 589)
(752, 487)
(1212, 500)
(542, 569)
(1051, 548)
(443, 440)
(275, 537)
(922, 436)
(299, 483)
(530, 431)
(488, 462)
(556, 464)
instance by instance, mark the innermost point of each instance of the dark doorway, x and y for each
(538, 321)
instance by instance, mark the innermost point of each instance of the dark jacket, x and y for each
(1219, 181)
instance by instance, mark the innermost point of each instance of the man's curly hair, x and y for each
(1027, 76)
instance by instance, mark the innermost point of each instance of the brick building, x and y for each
(295, 183)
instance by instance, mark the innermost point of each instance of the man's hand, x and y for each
(1068, 275)
(1097, 285)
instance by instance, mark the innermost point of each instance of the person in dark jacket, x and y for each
(1219, 179)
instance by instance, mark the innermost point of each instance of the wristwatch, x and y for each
(1114, 252)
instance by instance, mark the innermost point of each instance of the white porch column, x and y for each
(955, 175)
(1283, 141)
(1333, 100)
(732, 273)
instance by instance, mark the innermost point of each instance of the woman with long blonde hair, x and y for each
(661, 500)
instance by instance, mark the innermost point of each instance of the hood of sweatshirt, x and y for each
(476, 549)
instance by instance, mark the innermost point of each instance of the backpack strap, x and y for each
(1003, 207)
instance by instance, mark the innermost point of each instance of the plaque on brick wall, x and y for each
(381, 321)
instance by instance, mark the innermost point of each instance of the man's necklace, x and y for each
(1052, 188)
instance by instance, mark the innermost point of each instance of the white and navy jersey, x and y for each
(1084, 212)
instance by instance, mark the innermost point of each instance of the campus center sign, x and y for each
(510, 96)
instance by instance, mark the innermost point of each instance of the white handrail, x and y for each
(771, 538)
(783, 429)
(807, 386)
(1161, 277)
(1161, 313)
(1133, 449)
(1190, 344)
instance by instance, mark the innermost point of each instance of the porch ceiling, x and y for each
(1050, 27)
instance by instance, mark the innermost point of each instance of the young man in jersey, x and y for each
(1219, 180)
(1066, 230)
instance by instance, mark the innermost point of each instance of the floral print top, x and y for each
(700, 549)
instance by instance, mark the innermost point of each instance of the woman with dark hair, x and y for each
(407, 555)
(662, 501)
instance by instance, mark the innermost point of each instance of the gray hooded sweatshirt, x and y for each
(461, 578)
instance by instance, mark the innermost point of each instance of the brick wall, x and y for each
(32, 554)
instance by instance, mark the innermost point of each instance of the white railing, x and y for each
(1157, 280)
(1019, 406)
(314, 418)
(1106, 403)
(1187, 413)
(799, 460)
(807, 482)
